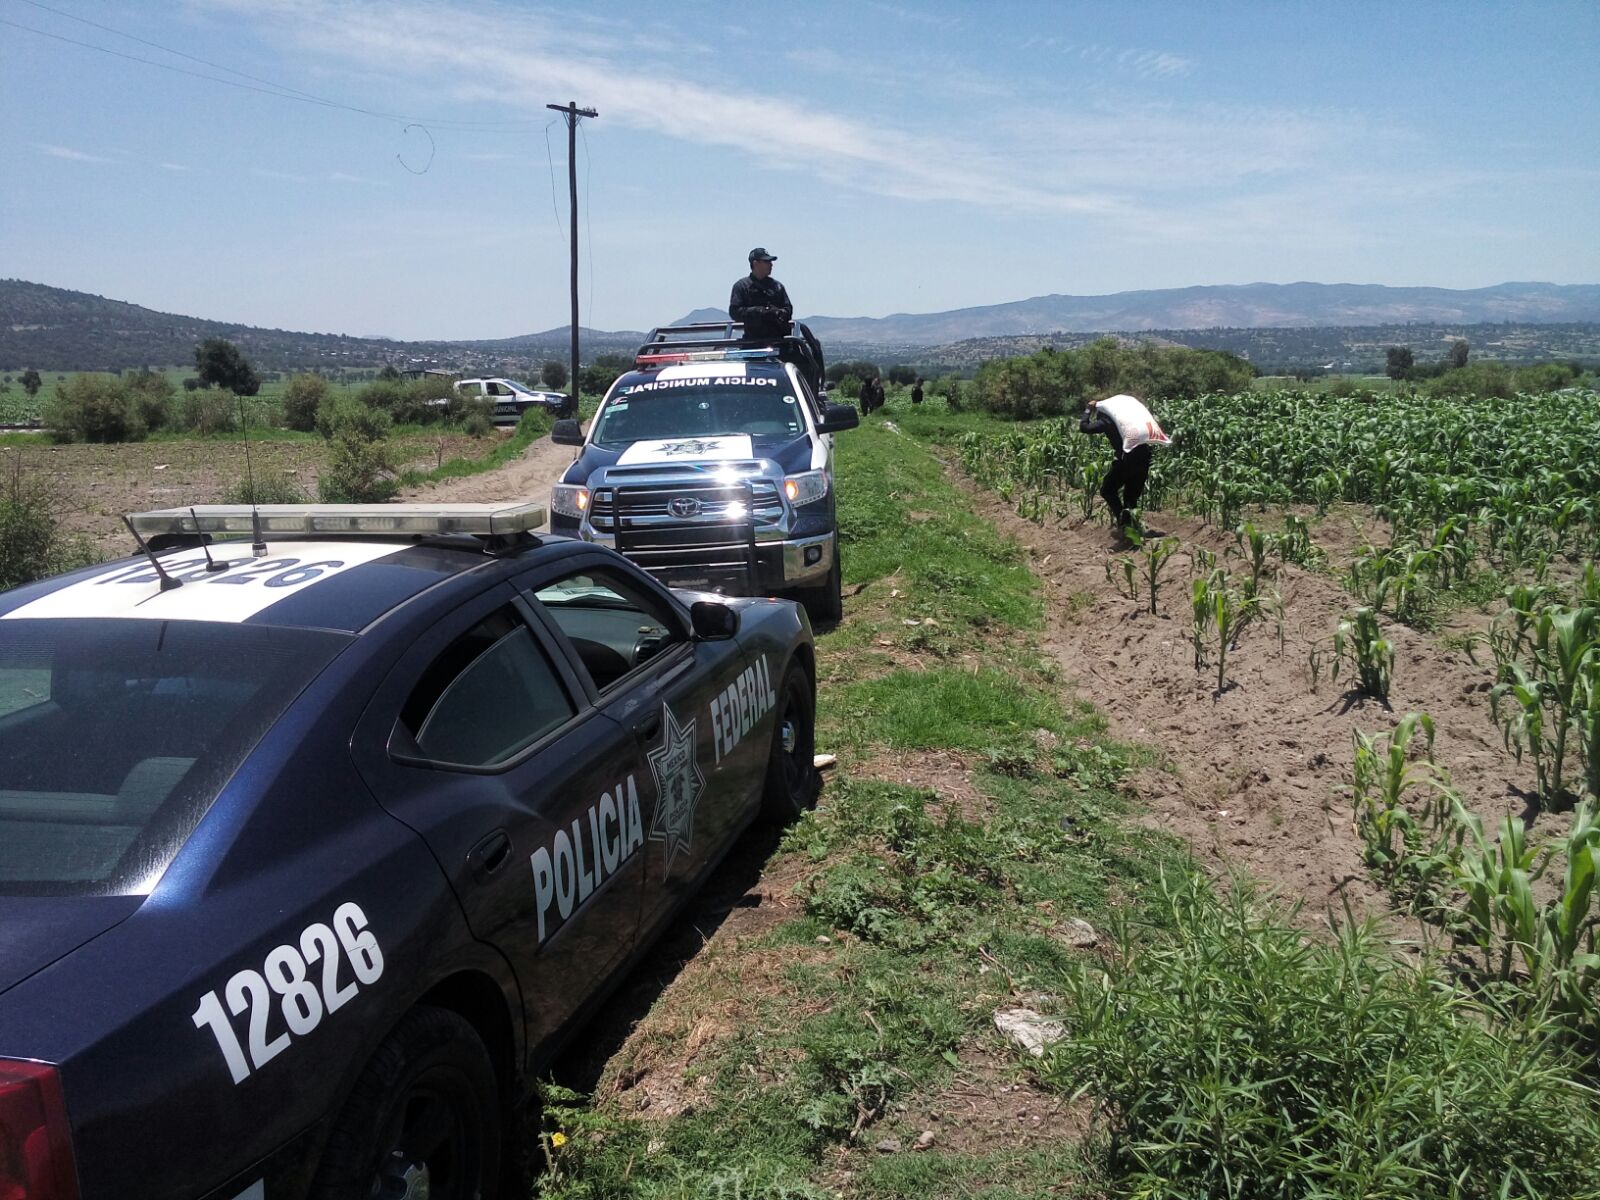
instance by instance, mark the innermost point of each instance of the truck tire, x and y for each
(424, 1117)
(791, 785)
(826, 603)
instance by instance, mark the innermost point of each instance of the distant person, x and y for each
(871, 394)
(916, 392)
(759, 301)
(1132, 431)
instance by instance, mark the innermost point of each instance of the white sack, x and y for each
(1134, 421)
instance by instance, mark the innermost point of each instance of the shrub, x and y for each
(303, 396)
(32, 543)
(93, 408)
(1235, 1056)
(553, 375)
(152, 395)
(422, 404)
(385, 395)
(1052, 382)
(208, 412)
(361, 465)
(477, 424)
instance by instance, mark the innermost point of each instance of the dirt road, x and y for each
(526, 478)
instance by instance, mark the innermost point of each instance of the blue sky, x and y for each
(896, 157)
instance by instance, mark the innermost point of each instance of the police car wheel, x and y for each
(423, 1121)
(791, 776)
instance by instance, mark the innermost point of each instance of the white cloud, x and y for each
(1117, 162)
(172, 166)
(71, 155)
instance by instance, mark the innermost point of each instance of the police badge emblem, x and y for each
(678, 785)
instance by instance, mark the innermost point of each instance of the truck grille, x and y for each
(705, 511)
(696, 528)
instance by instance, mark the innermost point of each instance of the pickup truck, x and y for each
(510, 398)
(710, 465)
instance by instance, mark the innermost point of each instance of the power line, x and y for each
(271, 88)
(555, 207)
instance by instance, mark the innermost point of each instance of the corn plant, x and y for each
(1155, 556)
(1497, 885)
(1128, 570)
(1294, 544)
(1386, 770)
(1254, 545)
(1221, 614)
(1549, 671)
(1360, 639)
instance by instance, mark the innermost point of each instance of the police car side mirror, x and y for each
(713, 622)
(839, 417)
(566, 433)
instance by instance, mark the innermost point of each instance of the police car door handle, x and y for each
(489, 855)
(649, 727)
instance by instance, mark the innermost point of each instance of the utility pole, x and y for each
(572, 112)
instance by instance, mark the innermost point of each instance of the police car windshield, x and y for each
(763, 406)
(116, 736)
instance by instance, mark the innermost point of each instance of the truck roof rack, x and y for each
(706, 341)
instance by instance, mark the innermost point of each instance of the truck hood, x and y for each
(35, 931)
(792, 455)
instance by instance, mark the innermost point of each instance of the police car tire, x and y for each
(432, 1053)
(791, 785)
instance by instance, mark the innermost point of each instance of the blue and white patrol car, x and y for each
(315, 845)
(711, 465)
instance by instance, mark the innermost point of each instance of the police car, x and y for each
(314, 845)
(510, 398)
(710, 464)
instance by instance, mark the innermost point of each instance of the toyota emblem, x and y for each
(684, 506)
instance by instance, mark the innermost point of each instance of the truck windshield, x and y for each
(763, 406)
(116, 736)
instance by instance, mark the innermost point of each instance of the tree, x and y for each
(902, 374)
(218, 363)
(1458, 353)
(599, 375)
(31, 383)
(302, 399)
(1399, 361)
(554, 375)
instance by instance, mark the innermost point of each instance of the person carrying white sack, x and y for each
(1132, 431)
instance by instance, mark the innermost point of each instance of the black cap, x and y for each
(760, 253)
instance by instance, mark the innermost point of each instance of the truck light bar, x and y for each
(686, 356)
(483, 520)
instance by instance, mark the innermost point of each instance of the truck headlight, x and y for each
(805, 488)
(569, 499)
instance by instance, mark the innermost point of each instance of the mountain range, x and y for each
(1233, 306)
(54, 329)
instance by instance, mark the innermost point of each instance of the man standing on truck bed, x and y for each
(760, 301)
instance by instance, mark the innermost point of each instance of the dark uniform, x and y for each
(762, 305)
(1124, 483)
(916, 393)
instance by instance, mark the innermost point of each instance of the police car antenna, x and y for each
(212, 565)
(167, 581)
(258, 543)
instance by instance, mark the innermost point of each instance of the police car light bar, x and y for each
(482, 520)
(687, 356)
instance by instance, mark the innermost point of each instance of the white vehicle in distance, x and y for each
(510, 398)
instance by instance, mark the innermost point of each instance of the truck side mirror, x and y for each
(713, 622)
(839, 417)
(566, 433)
